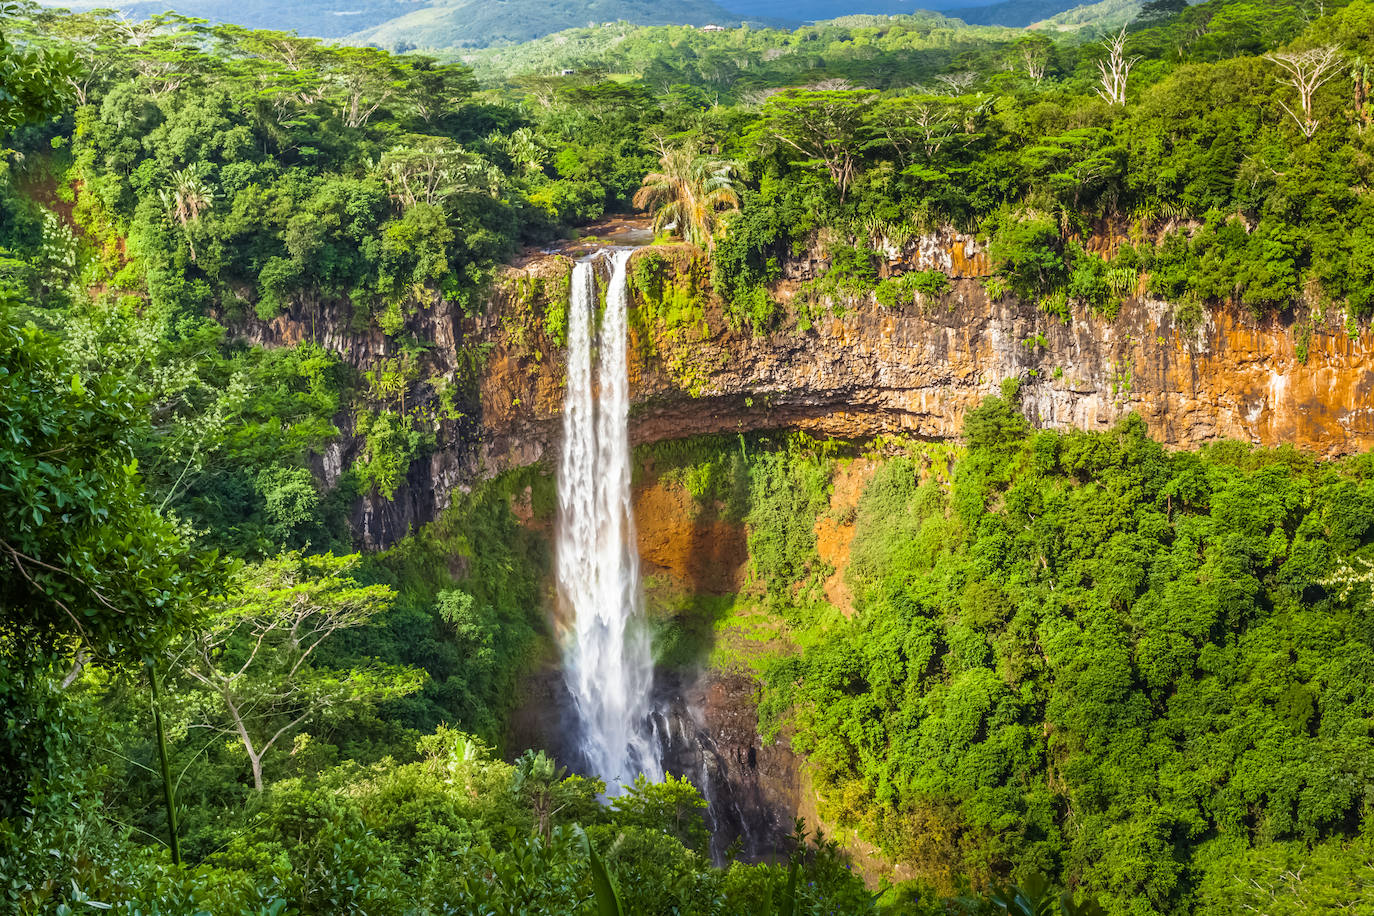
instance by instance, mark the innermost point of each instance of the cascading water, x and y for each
(628, 722)
(608, 661)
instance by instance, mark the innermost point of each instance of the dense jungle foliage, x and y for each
(1145, 672)
(1214, 182)
(225, 256)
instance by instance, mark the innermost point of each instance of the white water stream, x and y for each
(607, 657)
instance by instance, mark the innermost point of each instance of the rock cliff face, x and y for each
(917, 369)
(862, 371)
(377, 521)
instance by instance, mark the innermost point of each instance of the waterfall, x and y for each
(607, 657)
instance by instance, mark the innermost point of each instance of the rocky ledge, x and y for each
(867, 370)
(858, 371)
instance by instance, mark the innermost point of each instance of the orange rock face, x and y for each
(835, 532)
(704, 554)
(916, 370)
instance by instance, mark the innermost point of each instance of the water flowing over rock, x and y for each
(608, 661)
(707, 726)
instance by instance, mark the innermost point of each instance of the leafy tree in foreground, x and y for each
(257, 653)
(35, 82)
(85, 556)
(88, 567)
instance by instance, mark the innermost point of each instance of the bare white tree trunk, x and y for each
(254, 756)
(77, 666)
(934, 128)
(957, 83)
(1115, 70)
(1307, 71)
(1035, 64)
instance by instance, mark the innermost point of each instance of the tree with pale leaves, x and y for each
(688, 194)
(957, 83)
(185, 200)
(1353, 579)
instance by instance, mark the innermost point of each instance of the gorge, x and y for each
(888, 467)
(871, 373)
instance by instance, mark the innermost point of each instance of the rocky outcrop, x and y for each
(362, 346)
(916, 370)
(858, 371)
(708, 726)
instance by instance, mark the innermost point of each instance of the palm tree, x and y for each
(186, 199)
(688, 194)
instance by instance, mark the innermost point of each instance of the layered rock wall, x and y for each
(863, 370)
(915, 370)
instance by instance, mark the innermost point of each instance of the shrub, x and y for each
(1029, 256)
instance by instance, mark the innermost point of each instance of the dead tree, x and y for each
(1307, 71)
(1116, 69)
(1035, 60)
(957, 83)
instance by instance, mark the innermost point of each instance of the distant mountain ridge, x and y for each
(817, 10)
(317, 18)
(435, 24)
(438, 25)
(1016, 13)
(1105, 14)
(442, 24)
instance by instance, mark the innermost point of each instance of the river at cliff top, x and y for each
(611, 232)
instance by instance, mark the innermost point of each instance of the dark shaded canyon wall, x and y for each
(378, 521)
(913, 370)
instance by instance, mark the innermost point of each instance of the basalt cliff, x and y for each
(857, 369)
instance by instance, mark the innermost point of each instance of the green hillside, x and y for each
(1016, 13)
(319, 18)
(431, 24)
(876, 51)
(1106, 14)
(479, 23)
